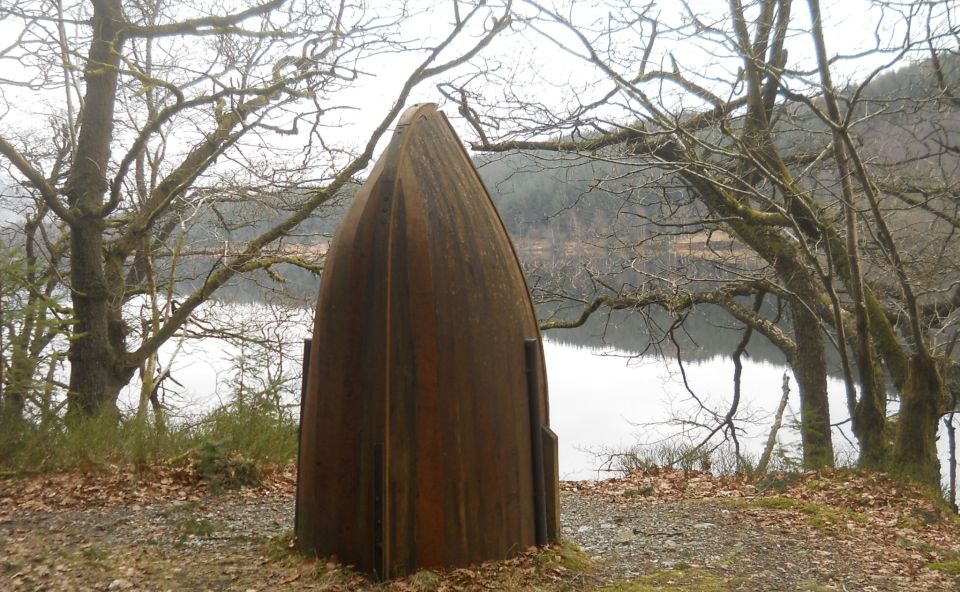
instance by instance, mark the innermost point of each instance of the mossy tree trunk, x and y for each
(810, 369)
(921, 401)
(94, 355)
(870, 425)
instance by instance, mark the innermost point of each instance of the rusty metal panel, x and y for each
(551, 475)
(416, 443)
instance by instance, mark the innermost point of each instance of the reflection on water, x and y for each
(603, 400)
(603, 395)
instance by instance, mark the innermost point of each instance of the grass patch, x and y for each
(261, 435)
(776, 503)
(642, 492)
(566, 556)
(945, 560)
(95, 557)
(256, 424)
(281, 547)
(910, 523)
(94, 553)
(819, 515)
(814, 586)
(425, 581)
(951, 566)
(688, 579)
(196, 527)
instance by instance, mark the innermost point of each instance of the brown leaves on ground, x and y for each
(532, 570)
(119, 486)
(657, 484)
(161, 529)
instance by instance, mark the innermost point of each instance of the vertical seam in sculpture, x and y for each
(545, 417)
(403, 132)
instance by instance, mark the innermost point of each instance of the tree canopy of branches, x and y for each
(792, 171)
(125, 122)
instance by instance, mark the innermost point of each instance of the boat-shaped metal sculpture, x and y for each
(424, 438)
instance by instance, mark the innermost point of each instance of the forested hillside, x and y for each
(567, 212)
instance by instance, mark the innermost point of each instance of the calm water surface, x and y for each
(601, 399)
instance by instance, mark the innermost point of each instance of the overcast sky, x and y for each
(540, 70)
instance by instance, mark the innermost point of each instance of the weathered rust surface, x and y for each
(416, 436)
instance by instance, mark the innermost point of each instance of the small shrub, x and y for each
(222, 470)
(787, 458)
(641, 458)
(254, 432)
(722, 460)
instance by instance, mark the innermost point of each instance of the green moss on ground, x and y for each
(951, 567)
(819, 515)
(566, 555)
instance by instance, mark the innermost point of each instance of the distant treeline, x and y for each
(563, 212)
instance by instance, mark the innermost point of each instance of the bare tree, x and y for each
(748, 144)
(165, 117)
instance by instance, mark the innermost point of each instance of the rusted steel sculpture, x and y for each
(419, 444)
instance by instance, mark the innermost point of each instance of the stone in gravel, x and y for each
(585, 529)
(624, 536)
(120, 584)
(702, 525)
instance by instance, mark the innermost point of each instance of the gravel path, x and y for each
(633, 540)
(237, 542)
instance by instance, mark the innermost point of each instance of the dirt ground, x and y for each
(659, 530)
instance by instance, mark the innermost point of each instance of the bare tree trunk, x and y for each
(810, 369)
(952, 449)
(777, 422)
